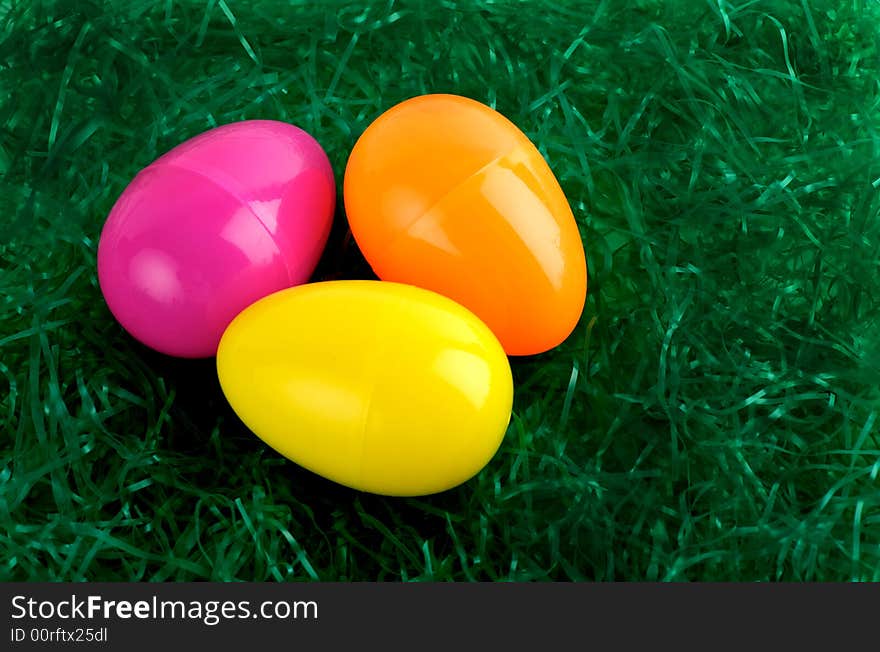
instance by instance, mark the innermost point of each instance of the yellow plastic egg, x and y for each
(382, 387)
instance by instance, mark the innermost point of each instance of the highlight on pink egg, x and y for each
(220, 221)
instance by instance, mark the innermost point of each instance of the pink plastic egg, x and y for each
(220, 221)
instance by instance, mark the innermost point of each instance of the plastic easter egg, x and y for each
(218, 222)
(445, 193)
(382, 387)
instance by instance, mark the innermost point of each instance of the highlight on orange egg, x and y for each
(445, 193)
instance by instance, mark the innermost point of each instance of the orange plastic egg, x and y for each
(445, 193)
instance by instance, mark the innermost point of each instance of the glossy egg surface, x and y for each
(382, 387)
(445, 193)
(218, 222)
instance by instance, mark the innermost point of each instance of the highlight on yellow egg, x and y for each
(382, 387)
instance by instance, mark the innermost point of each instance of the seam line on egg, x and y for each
(241, 201)
(378, 354)
(445, 195)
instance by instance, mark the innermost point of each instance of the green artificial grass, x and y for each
(714, 415)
